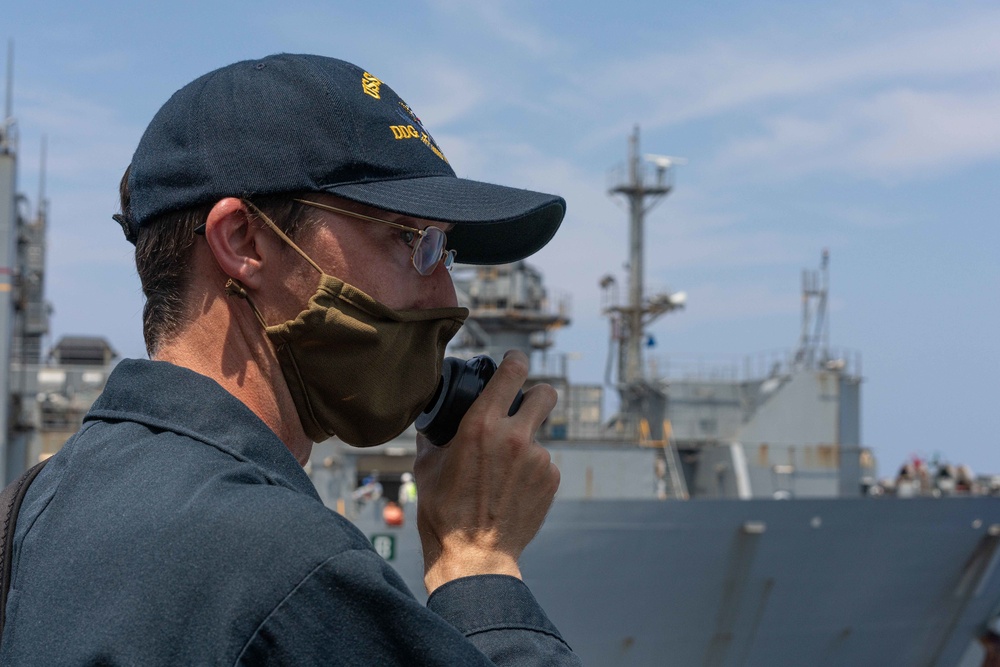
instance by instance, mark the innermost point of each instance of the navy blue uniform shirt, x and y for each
(176, 529)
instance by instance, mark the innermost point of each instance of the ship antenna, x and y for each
(815, 286)
(8, 109)
(42, 202)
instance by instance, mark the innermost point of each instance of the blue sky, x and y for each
(870, 129)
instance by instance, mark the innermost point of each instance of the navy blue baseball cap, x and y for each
(293, 123)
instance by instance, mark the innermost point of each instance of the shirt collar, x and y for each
(177, 399)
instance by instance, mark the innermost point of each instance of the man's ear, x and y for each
(239, 246)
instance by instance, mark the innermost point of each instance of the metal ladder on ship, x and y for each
(675, 487)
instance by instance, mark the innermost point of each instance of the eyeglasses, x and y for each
(427, 245)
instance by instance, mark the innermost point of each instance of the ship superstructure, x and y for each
(47, 394)
(23, 311)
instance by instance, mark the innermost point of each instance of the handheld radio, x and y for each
(461, 382)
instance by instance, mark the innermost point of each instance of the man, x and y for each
(294, 226)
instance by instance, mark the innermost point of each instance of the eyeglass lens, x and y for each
(428, 250)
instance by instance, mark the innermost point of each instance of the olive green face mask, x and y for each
(355, 368)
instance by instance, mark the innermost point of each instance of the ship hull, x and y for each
(761, 582)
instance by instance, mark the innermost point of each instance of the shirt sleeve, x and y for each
(501, 617)
(354, 609)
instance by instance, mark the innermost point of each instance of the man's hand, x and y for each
(484, 495)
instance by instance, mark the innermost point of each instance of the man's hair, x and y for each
(163, 251)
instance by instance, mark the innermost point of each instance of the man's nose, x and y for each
(438, 289)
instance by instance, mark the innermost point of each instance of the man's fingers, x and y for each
(505, 383)
(538, 403)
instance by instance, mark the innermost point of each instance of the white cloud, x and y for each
(745, 78)
(84, 137)
(917, 132)
(724, 77)
(896, 135)
(492, 17)
(442, 92)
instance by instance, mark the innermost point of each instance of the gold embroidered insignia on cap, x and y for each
(370, 85)
(410, 132)
(404, 132)
(424, 137)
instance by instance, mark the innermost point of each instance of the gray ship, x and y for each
(720, 517)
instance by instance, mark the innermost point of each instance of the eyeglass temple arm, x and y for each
(361, 216)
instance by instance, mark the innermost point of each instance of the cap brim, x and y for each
(494, 224)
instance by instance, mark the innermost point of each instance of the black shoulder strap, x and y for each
(10, 503)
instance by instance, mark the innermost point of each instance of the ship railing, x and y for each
(503, 294)
(760, 366)
(619, 177)
(557, 308)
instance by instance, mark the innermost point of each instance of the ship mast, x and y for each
(7, 124)
(815, 337)
(8, 248)
(643, 188)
